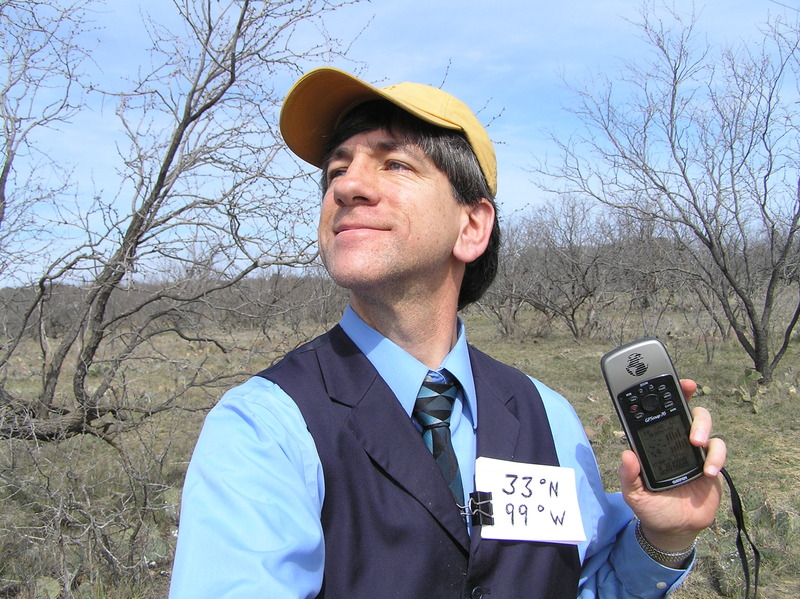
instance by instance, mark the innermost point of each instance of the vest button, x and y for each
(479, 593)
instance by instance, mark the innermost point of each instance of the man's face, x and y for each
(389, 221)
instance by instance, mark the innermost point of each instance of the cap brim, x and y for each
(315, 105)
(318, 100)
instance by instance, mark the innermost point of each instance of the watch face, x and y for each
(667, 448)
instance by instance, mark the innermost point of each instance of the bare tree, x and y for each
(102, 292)
(201, 186)
(41, 89)
(706, 143)
(569, 260)
(506, 299)
(647, 273)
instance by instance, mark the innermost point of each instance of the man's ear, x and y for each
(476, 228)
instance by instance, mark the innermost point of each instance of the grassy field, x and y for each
(761, 427)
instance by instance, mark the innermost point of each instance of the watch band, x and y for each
(662, 557)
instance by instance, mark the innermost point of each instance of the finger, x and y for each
(702, 425)
(689, 387)
(629, 471)
(716, 454)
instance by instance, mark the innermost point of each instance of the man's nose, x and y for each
(358, 184)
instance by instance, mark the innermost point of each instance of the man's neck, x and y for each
(426, 332)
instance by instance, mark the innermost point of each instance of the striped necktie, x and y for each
(432, 410)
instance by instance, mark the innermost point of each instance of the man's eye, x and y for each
(335, 172)
(396, 165)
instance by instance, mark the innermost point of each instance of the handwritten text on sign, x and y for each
(531, 502)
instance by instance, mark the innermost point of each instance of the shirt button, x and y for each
(661, 585)
(479, 593)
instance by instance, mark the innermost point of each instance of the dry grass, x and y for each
(761, 428)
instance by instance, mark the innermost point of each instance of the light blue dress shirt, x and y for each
(250, 514)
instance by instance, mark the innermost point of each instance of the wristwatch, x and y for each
(662, 557)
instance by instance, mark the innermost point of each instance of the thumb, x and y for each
(629, 470)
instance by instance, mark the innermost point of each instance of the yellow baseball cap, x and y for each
(319, 99)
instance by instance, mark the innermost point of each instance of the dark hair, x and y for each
(450, 151)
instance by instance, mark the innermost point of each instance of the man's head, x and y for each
(327, 107)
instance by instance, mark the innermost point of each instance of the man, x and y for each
(328, 474)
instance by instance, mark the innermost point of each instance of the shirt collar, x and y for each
(402, 372)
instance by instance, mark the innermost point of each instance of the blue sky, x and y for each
(509, 58)
(505, 58)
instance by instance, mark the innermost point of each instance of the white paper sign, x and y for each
(531, 502)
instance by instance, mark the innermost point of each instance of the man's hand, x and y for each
(672, 519)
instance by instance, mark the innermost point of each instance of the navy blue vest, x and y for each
(390, 524)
